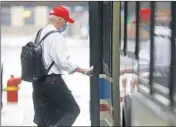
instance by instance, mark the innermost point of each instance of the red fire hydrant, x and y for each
(12, 89)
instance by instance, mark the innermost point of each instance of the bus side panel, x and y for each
(147, 113)
(106, 117)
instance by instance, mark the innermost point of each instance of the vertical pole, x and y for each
(125, 26)
(95, 21)
(152, 48)
(137, 30)
(116, 63)
(173, 59)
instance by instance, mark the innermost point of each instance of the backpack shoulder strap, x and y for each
(49, 67)
(46, 35)
(41, 41)
(38, 36)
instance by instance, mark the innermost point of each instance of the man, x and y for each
(54, 103)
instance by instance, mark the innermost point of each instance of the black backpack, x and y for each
(32, 59)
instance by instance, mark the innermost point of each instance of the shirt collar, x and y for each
(51, 26)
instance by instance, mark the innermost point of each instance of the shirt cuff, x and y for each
(74, 68)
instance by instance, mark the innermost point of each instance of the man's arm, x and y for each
(123, 71)
(88, 72)
(61, 57)
(80, 70)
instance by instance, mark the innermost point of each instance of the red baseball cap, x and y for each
(144, 14)
(60, 11)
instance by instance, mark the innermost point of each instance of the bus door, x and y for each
(103, 99)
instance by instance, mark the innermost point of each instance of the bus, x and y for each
(133, 43)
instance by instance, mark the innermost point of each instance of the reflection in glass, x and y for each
(107, 38)
(162, 43)
(131, 26)
(122, 25)
(144, 38)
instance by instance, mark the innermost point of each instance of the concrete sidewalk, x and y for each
(17, 114)
(12, 115)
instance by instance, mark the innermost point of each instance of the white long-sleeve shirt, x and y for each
(55, 49)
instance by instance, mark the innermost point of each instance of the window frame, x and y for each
(137, 30)
(173, 56)
(152, 23)
(123, 51)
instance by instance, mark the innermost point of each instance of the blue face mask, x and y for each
(147, 28)
(63, 28)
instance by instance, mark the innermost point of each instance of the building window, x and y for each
(5, 16)
(29, 15)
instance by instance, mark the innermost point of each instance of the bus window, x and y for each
(144, 34)
(107, 27)
(122, 25)
(162, 43)
(131, 27)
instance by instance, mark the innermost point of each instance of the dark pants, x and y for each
(54, 102)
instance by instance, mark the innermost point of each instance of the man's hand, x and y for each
(89, 72)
